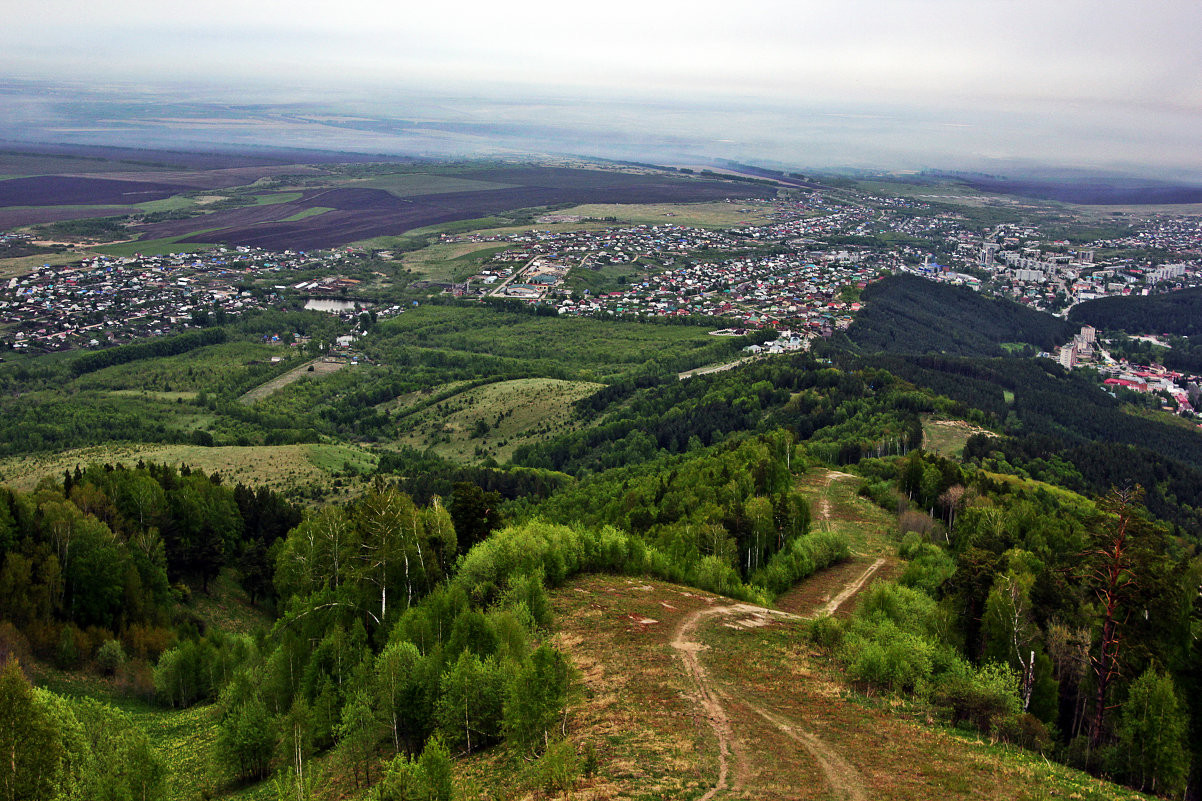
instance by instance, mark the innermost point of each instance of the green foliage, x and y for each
(800, 559)
(535, 695)
(246, 740)
(151, 349)
(826, 632)
(110, 657)
(427, 778)
(929, 567)
(981, 698)
(559, 768)
(470, 703)
(1152, 733)
(31, 769)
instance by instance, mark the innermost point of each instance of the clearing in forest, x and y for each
(277, 467)
(494, 419)
(313, 369)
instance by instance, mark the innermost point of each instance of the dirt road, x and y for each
(714, 697)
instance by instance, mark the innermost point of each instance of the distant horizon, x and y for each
(860, 84)
(437, 125)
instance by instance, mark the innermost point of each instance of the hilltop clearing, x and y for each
(690, 695)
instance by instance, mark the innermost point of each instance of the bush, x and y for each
(110, 657)
(982, 698)
(67, 652)
(1025, 731)
(826, 632)
(929, 568)
(559, 768)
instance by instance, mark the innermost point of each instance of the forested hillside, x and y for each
(907, 314)
(1166, 313)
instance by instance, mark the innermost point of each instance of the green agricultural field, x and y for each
(495, 419)
(416, 183)
(174, 203)
(312, 211)
(277, 197)
(450, 262)
(701, 215)
(157, 247)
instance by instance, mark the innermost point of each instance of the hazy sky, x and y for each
(1122, 77)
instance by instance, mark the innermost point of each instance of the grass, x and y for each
(517, 412)
(450, 262)
(417, 183)
(277, 198)
(312, 211)
(279, 467)
(210, 368)
(319, 368)
(20, 265)
(1167, 418)
(157, 247)
(173, 203)
(835, 505)
(642, 717)
(948, 437)
(700, 215)
(585, 349)
(610, 278)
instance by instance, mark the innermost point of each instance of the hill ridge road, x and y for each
(842, 777)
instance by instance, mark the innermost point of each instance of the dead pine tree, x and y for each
(1110, 571)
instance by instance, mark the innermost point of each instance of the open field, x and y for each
(356, 209)
(516, 412)
(947, 437)
(313, 369)
(61, 190)
(19, 216)
(279, 467)
(11, 268)
(590, 349)
(413, 184)
(450, 262)
(701, 215)
(155, 247)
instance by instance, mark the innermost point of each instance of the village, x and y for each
(108, 300)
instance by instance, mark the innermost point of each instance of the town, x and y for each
(801, 271)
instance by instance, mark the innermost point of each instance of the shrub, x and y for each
(929, 568)
(110, 657)
(559, 768)
(981, 698)
(1025, 731)
(826, 632)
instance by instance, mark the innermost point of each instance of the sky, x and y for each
(896, 81)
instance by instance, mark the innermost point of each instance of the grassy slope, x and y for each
(279, 467)
(518, 412)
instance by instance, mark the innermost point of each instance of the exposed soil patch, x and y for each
(57, 190)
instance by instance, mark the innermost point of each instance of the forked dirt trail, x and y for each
(841, 777)
(851, 589)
